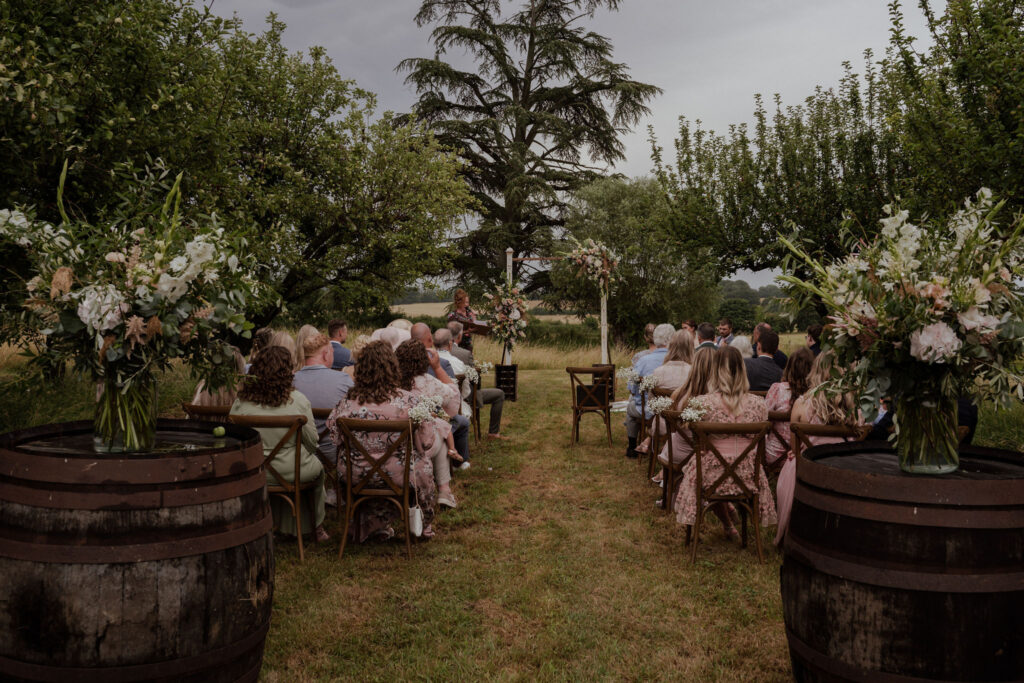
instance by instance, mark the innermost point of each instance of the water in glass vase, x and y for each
(926, 435)
(125, 420)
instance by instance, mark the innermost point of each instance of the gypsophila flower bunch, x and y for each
(628, 375)
(647, 383)
(695, 410)
(426, 408)
(472, 376)
(509, 314)
(483, 367)
(594, 261)
(926, 309)
(659, 404)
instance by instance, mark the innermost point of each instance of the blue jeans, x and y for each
(460, 434)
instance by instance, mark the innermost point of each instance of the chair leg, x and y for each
(349, 514)
(408, 530)
(297, 509)
(696, 535)
(743, 526)
(755, 519)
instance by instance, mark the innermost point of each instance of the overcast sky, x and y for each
(709, 56)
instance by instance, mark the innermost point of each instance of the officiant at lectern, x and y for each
(462, 313)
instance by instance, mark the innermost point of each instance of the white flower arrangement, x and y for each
(426, 408)
(594, 261)
(472, 376)
(483, 367)
(628, 375)
(659, 404)
(695, 410)
(647, 382)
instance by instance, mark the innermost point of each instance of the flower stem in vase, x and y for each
(125, 420)
(926, 434)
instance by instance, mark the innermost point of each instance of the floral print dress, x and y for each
(378, 516)
(752, 409)
(778, 399)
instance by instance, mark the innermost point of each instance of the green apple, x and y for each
(219, 431)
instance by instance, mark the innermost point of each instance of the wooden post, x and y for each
(506, 354)
(605, 360)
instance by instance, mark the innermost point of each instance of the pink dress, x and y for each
(786, 486)
(672, 374)
(752, 409)
(377, 516)
(777, 399)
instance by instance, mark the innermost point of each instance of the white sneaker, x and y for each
(447, 501)
(464, 465)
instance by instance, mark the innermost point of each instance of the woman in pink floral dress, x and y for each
(780, 398)
(376, 396)
(730, 402)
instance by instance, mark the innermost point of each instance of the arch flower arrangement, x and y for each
(925, 314)
(595, 262)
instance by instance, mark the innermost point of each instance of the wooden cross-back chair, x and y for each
(330, 468)
(288, 491)
(748, 497)
(590, 398)
(653, 429)
(194, 411)
(376, 483)
(803, 431)
(777, 417)
(474, 417)
(673, 472)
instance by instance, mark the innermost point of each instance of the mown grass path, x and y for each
(556, 566)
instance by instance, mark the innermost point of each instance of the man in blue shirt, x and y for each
(644, 366)
(460, 423)
(337, 330)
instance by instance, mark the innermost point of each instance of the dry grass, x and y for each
(440, 308)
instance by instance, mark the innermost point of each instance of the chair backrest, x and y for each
(674, 424)
(659, 391)
(353, 447)
(595, 395)
(461, 381)
(803, 431)
(293, 424)
(754, 432)
(194, 411)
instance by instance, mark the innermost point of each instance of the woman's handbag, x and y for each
(416, 520)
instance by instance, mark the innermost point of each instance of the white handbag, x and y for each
(416, 520)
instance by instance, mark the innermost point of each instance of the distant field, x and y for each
(441, 308)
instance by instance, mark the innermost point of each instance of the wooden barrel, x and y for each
(119, 567)
(896, 578)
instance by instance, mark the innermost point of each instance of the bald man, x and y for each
(460, 423)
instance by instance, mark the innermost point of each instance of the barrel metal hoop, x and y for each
(55, 553)
(909, 513)
(174, 668)
(891, 576)
(137, 497)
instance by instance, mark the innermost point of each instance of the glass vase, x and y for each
(926, 434)
(125, 420)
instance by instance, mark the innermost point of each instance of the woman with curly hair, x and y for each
(268, 393)
(376, 395)
(413, 364)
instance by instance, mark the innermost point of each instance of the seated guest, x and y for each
(401, 324)
(966, 416)
(287, 342)
(649, 340)
(322, 386)
(780, 398)
(443, 345)
(412, 377)
(360, 344)
(644, 366)
(260, 340)
(674, 370)
(269, 393)
(392, 336)
(491, 396)
(724, 337)
(375, 395)
(706, 335)
(305, 332)
(444, 371)
(819, 408)
(337, 330)
(690, 325)
(814, 338)
(779, 356)
(225, 396)
(762, 372)
(743, 345)
(729, 402)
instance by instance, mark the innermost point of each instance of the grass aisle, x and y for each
(556, 566)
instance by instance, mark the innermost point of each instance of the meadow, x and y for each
(556, 565)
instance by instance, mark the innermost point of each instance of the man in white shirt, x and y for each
(445, 343)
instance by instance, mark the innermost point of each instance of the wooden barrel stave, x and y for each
(136, 590)
(926, 589)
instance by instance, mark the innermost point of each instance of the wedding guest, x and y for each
(724, 337)
(779, 357)
(287, 342)
(225, 396)
(375, 395)
(491, 396)
(706, 335)
(322, 386)
(442, 344)
(814, 338)
(649, 340)
(743, 345)
(462, 313)
(674, 370)
(813, 407)
(644, 366)
(305, 332)
(357, 348)
(392, 336)
(401, 324)
(412, 377)
(728, 402)
(762, 372)
(260, 340)
(690, 325)
(268, 393)
(794, 383)
(443, 371)
(337, 330)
